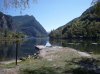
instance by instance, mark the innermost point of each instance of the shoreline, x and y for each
(56, 56)
(45, 51)
(9, 62)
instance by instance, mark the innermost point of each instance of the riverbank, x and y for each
(9, 62)
(51, 53)
(51, 59)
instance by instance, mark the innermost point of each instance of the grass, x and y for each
(61, 63)
(44, 66)
(41, 67)
(97, 56)
(42, 70)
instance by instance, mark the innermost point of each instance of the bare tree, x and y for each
(21, 4)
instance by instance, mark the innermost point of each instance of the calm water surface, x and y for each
(79, 44)
(27, 47)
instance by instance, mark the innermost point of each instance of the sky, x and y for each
(53, 13)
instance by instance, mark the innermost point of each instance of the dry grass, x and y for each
(52, 58)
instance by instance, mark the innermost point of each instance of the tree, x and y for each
(21, 4)
(95, 2)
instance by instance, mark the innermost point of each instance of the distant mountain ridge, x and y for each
(85, 26)
(26, 24)
(29, 26)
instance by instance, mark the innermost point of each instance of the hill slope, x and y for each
(85, 26)
(27, 25)
(5, 21)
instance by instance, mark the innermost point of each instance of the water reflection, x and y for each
(10, 50)
(82, 45)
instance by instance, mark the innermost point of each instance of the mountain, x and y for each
(5, 21)
(29, 26)
(26, 25)
(85, 26)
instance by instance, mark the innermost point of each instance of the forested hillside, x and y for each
(85, 26)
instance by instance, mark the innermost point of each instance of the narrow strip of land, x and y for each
(51, 52)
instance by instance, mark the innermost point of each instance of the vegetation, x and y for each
(29, 26)
(6, 28)
(85, 26)
(10, 35)
(20, 25)
(63, 65)
(21, 4)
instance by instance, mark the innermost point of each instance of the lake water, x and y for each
(8, 49)
(79, 44)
